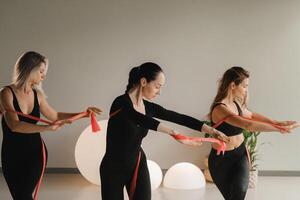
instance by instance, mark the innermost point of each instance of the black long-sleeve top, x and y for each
(127, 127)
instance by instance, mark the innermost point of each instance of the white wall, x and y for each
(93, 44)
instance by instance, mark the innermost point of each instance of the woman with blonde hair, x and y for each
(24, 153)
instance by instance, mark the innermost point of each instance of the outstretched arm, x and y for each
(13, 121)
(186, 120)
(255, 122)
(123, 108)
(262, 118)
(51, 114)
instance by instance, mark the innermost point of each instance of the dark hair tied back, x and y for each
(147, 70)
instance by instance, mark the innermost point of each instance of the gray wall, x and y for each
(93, 44)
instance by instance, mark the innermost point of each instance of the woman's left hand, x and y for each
(289, 128)
(286, 123)
(94, 110)
(221, 136)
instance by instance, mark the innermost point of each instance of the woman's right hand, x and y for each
(186, 141)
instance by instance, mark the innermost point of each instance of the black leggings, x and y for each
(115, 175)
(230, 172)
(22, 170)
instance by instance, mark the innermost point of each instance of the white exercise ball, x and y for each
(184, 176)
(89, 152)
(155, 174)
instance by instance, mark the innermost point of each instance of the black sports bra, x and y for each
(226, 128)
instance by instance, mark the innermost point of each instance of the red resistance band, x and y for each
(221, 144)
(134, 178)
(94, 123)
(95, 128)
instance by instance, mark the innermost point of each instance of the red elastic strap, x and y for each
(221, 144)
(37, 188)
(134, 178)
(94, 123)
(114, 113)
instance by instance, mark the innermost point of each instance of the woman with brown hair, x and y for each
(231, 171)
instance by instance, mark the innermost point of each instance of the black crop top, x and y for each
(127, 127)
(226, 128)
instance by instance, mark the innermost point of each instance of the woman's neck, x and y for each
(136, 96)
(25, 89)
(228, 100)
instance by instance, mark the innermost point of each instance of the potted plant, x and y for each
(251, 145)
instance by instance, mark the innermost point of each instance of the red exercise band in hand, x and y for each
(94, 123)
(221, 147)
(221, 144)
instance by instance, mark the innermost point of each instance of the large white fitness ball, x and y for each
(184, 176)
(89, 151)
(155, 174)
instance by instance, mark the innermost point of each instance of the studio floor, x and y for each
(75, 187)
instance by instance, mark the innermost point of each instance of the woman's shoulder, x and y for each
(220, 109)
(6, 91)
(218, 105)
(120, 100)
(6, 95)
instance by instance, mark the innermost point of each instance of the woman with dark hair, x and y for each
(231, 171)
(131, 116)
(23, 150)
